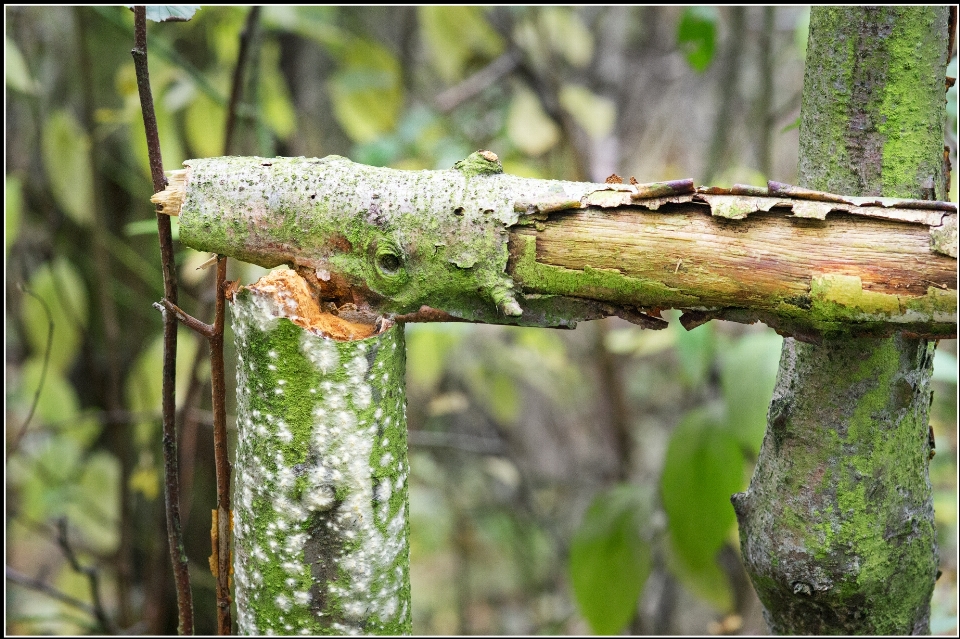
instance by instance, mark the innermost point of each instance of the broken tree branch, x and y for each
(483, 246)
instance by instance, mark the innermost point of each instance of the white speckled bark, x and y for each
(321, 532)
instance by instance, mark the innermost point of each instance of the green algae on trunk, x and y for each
(321, 507)
(837, 527)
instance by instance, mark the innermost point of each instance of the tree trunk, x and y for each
(321, 507)
(837, 527)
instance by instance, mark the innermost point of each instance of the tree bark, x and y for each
(321, 506)
(837, 527)
(483, 246)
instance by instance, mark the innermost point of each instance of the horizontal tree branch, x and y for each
(479, 245)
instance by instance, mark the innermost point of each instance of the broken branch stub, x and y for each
(476, 244)
(321, 534)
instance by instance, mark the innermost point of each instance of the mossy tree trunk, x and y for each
(321, 534)
(837, 527)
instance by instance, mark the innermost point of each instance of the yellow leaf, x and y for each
(567, 35)
(146, 481)
(456, 35)
(596, 114)
(528, 126)
(366, 91)
(66, 158)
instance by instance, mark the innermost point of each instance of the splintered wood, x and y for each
(295, 301)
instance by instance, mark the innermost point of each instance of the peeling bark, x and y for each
(475, 244)
(837, 528)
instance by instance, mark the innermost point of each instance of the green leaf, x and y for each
(610, 560)
(503, 399)
(702, 469)
(62, 290)
(496, 390)
(455, 35)
(44, 478)
(596, 114)
(205, 123)
(528, 126)
(366, 90)
(99, 484)
(944, 367)
(639, 342)
(793, 125)
(13, 202)
(170, 12)
(277, 107)
(144, 384)
(695, 350)
(66, 159)
(567, 34)
(17, 74)
(57, 402)
(747, 376)
(140, 227)
(428, 347)
(705, 580)
(697, 35)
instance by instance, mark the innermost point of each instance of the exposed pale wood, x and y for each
(171, 198)
(744, 262)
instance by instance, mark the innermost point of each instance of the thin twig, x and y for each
(472, 86)
(220, 453)
(43, 371)
(201, 328)
(178, 554)
(217, 373)
(41, 586)
(93, 576)
(238, 73)
(459, 441)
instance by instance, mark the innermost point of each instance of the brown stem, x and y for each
(221, 458)
(43, 373)
(178, 554)
(612, 387)
(191, 322)
(218, 386)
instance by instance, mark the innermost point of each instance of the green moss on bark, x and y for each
(399, 239)
(837, 527)
(873, 107)
(321, 479)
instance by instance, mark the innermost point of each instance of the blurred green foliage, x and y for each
(527, 513)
